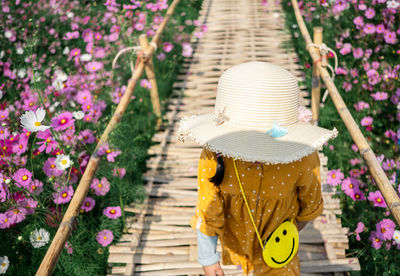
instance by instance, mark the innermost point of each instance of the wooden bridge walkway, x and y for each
(159, 240)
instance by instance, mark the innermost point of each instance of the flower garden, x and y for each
(365, 35)
(58, 91)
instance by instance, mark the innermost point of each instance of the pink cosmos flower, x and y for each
(187, 49)
(380, 29)
(100, 188)
(3, 192)
(111, 153)
(360, 228)
(385, 229)
(376, 241)
(347, 86)
(167, 46)
(369, 28)
(29, 204)
(4, 133)
(361, 105)
(112, 212)
(20, 147)
(62, 121)
(16, 214)
(358, 21)
(389, 164)
(367, 122)
(94, 66)
(50, 168)
(99, 52)
(350, 185)
(377, 199)
(380, 96)
(22, 177)
(3, 114)
(120, 172)
(87, 35)
(161, 56)
(105, 237)
(345, 49)
(355, 161)
(48, 143)
(71, 35)
(64, 195)
(358, 52)
(88, 204)
(36, 187)
(145, 84)
(4, 221)
(390, 37)
(83, 97)
(369, 13)
(75, 53)
(86, 136)
(334, 177)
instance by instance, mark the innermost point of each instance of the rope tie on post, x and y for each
(324, 50)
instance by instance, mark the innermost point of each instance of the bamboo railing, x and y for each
(386, 188)
(64, 230)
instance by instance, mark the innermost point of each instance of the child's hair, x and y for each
(219, 173)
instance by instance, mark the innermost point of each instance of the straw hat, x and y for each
(256, 117)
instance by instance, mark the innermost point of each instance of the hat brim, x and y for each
(254, 144)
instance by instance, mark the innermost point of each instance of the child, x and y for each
(258, 175)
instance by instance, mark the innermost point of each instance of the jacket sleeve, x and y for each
(209, 215)
(207, 249)
(309, 193)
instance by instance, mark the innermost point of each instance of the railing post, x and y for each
(316, 80)
(149, 67)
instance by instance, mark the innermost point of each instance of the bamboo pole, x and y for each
(64, 230)
(316, 80)
(149, 68)
(386, 188)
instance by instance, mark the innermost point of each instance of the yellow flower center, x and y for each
(351, 186)
(376, 239)
(94, 68)
(84, 97)
(48, 140)
(33, 187)
(333, 175)
(52, 166)
(24, 178)
(87, 204)
(63, 121)
(357, 196)
(3, 264)
(76, 53)
(16, 211)
(1, 131)
(64, 162)
(88, 106)
(104, 237)
(39, 238)
(64, 195)
(31, 103)
(37, 124)
(379, 200)
(383, 230)
(20, 146)
(108, 151)
(112, 211)
(99, 185)
(6, 220)
(2, 116)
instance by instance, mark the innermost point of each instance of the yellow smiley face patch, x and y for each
(282, 245)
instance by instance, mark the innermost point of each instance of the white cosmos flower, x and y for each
(1, 94)
(2, 54)
(20, 51)
(396, 236)
(21, 73)
(32, 121)
(60, 75)
(8, 34)
(4, 264)
(63, 162)
(66, 50)
(392, 4)
(86, 57)
(78, 115)
(39, 238)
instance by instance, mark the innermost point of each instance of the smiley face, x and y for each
(282, 245)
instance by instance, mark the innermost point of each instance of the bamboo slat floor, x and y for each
(159, 240)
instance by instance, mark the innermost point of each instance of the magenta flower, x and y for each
(29, 204)
(145, 84)
(187, 49)
(390, 37)
(21, 146)
(88, 204)
(380, 29)
(358, 52)
(385, 229)
(360, 228)
(350, 185)
(369, 13)
(3, 191)
(4, 221)
(36, 187)
(167, 46)
(120, 172)
(377, 199)
(83, 97)
(94, 66)
(76, 52)
(345, 49)
(112, 212)
(50, 168)
(22, 177)
(367, 122)
(86, 136)
(3, 114)
(334, 177)
(64, 195)
(47, 143)
(369, 28)
(376, 241)
(111, 153)
(62, 121)
(87, 35)
(389, 164)
(16, 214)
(357, 195)
(100, 188)
(105, 237)
(361, 105)
(380, 96)
(358, 21)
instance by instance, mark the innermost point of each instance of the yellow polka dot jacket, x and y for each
(274, 192)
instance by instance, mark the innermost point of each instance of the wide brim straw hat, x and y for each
(256, 117)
